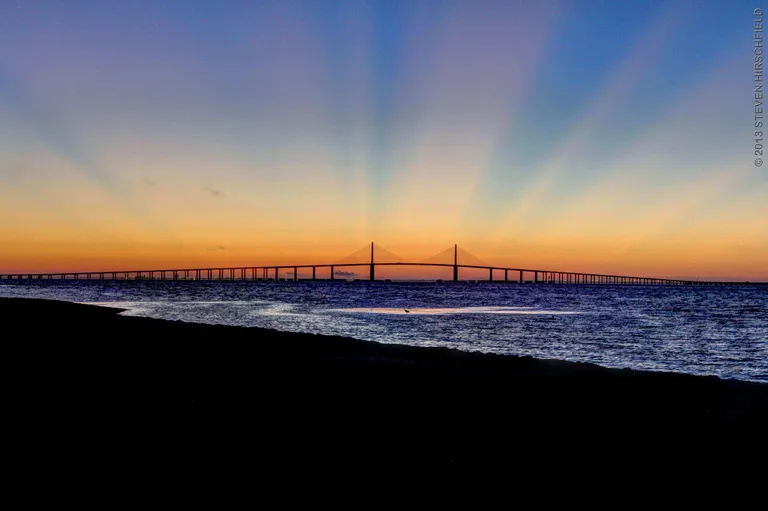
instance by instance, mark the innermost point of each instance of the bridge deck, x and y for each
(271, 273)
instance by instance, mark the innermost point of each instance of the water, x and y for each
(720, 331)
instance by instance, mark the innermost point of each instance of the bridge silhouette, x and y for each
(371, 256)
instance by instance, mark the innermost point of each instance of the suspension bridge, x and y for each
(369, 257)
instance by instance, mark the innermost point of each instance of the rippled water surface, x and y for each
(701, 330)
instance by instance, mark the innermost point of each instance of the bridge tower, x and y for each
(372, 266)
(455, 262)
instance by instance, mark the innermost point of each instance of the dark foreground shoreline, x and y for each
(86, 380)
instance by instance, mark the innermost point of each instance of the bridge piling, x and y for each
(455, 263)
(372, 275)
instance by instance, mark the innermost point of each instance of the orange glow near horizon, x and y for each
(659, 259)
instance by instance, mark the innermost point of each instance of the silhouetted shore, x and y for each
(86, 379)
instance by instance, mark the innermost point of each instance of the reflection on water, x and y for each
(455, 310)
(701, 330)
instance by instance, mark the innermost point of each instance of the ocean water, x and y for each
(721, 331)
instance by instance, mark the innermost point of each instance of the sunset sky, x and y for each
(602, 136)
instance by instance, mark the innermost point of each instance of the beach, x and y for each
(85, 379)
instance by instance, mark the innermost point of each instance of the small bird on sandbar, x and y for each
(406, 310)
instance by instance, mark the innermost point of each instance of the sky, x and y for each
(584, 135)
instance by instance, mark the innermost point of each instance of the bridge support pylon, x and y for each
(373, 271)
(455, 263)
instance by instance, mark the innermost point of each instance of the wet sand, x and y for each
(85, 381)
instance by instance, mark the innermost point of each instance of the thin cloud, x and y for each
(342, 273)
(149, 182)
(214, 192)
(19, 171)
(216, 248)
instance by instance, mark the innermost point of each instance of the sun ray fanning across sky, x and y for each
(587, 134)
